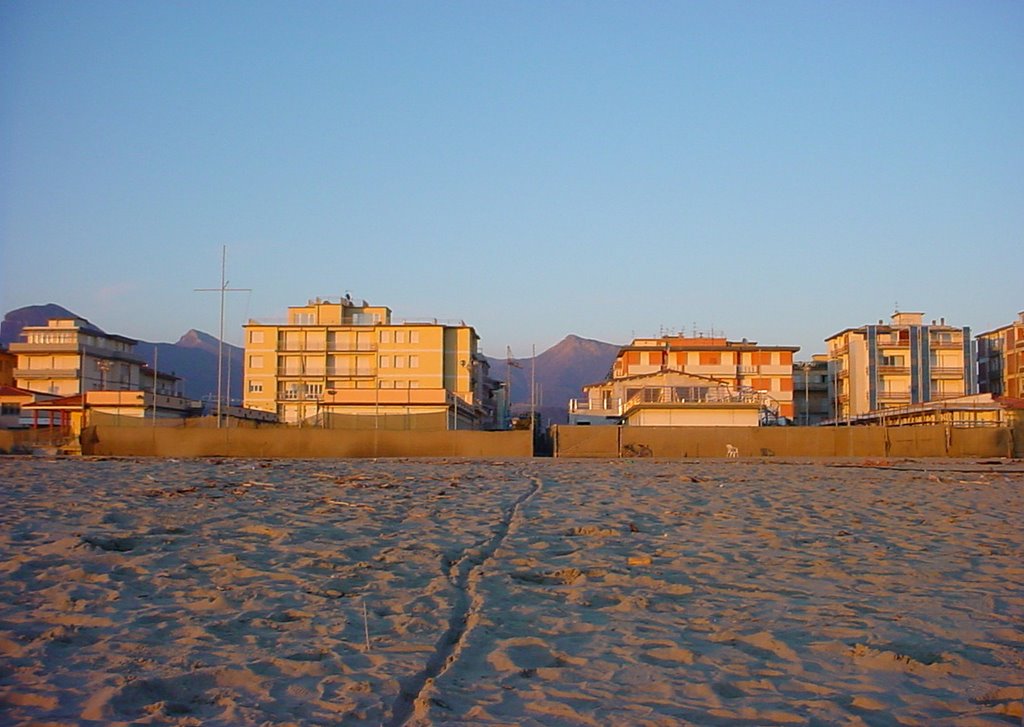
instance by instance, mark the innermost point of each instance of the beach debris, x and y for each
(113, 544)
(346, 503)
(591, 531)
(633, 528)
(639, 560)
(560, 577)
(366, 627)
(731, 451)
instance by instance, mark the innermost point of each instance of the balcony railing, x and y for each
(351, 373)
(284, 346)
(351, 346)
(894, 370)
(47, 373)
(607, 407)
(299, 395)
(947, 371)
(312, 373)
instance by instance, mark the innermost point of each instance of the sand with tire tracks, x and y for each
(547, 592)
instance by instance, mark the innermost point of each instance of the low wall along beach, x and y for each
(300, 443)
(861, 441)
(568, 442)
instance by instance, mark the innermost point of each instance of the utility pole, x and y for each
(220, 339)
(509, 365)
(533, 389)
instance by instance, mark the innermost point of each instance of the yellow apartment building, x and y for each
(83, 369)
(903, 363)
(347, 364)
(699, 381)
(1001, 360)
(70, 355)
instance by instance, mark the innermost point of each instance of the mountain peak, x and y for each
(196, 339)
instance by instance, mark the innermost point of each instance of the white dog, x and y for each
(731, 451)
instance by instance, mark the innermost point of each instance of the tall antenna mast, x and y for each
(220, 338)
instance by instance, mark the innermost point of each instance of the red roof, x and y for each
(65, 402)
(18, 391)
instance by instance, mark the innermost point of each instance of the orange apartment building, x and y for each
(1001, 360)
(680, 381)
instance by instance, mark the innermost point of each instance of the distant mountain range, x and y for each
(561, 371)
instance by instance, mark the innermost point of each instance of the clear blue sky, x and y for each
(774, 170)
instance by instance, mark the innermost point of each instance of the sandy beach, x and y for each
(524, 592)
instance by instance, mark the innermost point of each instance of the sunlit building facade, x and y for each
(346, 363)
(692, 381)
(902, 363)
(1001, 360)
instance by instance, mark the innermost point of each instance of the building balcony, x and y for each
(23, 347)
(351, 347)
(298, 348)
(893, 396)
(609, 408)
(894, 370)
(363, 373)
(47, 373)
(947, 372)
(298, 396)
(289, 373)
(941, 395)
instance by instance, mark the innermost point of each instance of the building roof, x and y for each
(658, 373)
(64, 402)
(18, 391)
(679, 343)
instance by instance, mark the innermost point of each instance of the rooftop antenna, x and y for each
(220, 339)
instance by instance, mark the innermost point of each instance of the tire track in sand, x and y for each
(463, 575)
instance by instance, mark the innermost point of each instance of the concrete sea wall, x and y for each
(861, 441)
(300, 443)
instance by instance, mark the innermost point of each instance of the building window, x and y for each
(10, 409)
(414, 362)
(385, 336)
(710, 358)
(255, 387)
(385, 362)
(305, 319)
(399, 336)
(255, 362)
(255, 336)
(414, 336)
(399, 362)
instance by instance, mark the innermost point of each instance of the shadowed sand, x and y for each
(522, 592)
